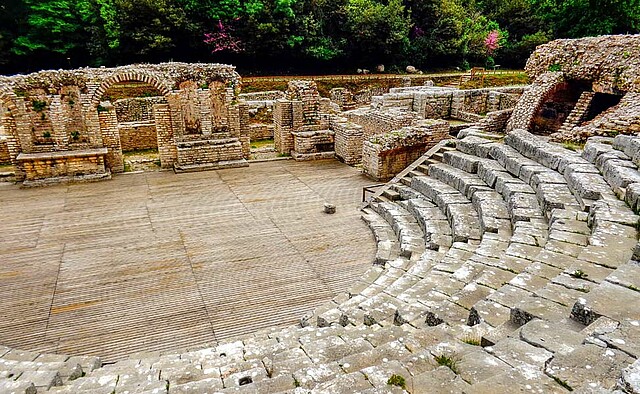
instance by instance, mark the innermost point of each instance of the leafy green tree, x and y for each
(55, 28)
(579, 18)
(378, 32)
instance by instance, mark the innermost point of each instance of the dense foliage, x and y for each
(279, 36)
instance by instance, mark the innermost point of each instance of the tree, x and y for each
(378, 32)
(579, 18)
(55, 28)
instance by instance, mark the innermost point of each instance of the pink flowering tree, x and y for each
(491, 44)
(222, 39)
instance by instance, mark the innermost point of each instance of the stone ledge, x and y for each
(210, 166)
(62, 154)
(313, 156)
(67, 179)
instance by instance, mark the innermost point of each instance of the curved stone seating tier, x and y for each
(521, 246)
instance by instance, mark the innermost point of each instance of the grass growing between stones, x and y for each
(474, 341)
(573, 146)
(579, 274)
(398, 381)
(450, 362)
(262, 143)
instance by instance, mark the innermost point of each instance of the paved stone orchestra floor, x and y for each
(157, 261)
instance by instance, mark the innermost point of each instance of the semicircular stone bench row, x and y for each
(543, 281)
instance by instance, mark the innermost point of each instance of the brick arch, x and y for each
(128, 76)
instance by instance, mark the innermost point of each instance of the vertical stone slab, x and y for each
(167, 150)
(283, 121)
(205, 107)
(110, 137)
(54, 110)
(177, 122)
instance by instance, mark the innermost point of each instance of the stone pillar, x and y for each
(167, 149)
(283, 122)
(57, 122)
(110, 137)
(177, 122)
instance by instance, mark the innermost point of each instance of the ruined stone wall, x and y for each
(137, 136)
(377, 121)
(40, 168)
(261, 131)
(610, 63)
(532, 100)
(385, 155)
(139, 109)
(61, 111)
(623, 118)
(348, 140)
(312, 145)
(5, 156)
(495, 122)
(269, 95)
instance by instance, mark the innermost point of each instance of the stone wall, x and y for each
(302, 115)
(532, 100)
(385, 155)
(378, 121)
(348, 140)
(623, 118)
(44, 168)
(610, 63)
(312, 145)
(138, 109)
(430, 102)
(138, 136)
(5, 156)
(269, 95)
(261, 131)
(209, 154)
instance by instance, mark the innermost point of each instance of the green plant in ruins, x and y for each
(38, 105)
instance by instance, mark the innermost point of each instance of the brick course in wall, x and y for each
(385, 155)
(138, 136)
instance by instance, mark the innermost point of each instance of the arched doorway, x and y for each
(126, 105)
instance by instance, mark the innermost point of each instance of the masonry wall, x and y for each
(348, 140)
(139, 109)
(5, 157)
(137, 136)
(261, 131)
(384, 156)
(375, 121)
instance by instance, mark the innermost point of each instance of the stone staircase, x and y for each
(578, 113)
(503, 265)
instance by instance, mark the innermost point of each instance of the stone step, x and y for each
(388, 246)
(405, 226)
(462, 217)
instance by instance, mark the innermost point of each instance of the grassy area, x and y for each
(262, 143)
(141, 152)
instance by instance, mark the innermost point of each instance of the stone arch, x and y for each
(128, 76)
(532, 99)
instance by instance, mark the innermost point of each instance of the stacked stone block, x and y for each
(137, 136)
(348, 140)
(385, 155)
